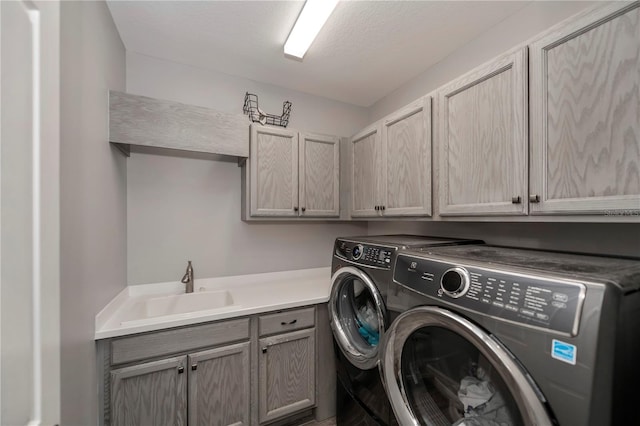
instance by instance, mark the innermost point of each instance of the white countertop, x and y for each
(128, 312)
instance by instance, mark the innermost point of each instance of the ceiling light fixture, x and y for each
(311, 20)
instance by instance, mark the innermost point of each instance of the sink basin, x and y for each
(187, 303)
(179, 306)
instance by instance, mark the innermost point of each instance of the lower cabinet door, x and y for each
(153, 393)
(219, 386)
(286, 374)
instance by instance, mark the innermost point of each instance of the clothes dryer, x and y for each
(493, 335)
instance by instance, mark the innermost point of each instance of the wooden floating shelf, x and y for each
(144, 121)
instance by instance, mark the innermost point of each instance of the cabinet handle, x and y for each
(534, 198)
(377, 208)
(304, 209)
(295, 209)
(384, 207)
(289, 323)
(264, 350)
(194, 367)
(180, 369)
(516, 200)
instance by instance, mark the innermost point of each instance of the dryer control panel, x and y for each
(535, 300)
(364, 254)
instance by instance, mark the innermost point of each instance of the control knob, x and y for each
(357, 252)
(455, 282)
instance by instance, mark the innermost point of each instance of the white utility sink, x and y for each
(178, 306)
(187, 303)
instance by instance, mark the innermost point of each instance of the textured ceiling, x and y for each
(365, 51)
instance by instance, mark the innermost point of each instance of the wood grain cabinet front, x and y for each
(585, 114)
(156, 393)
(406, 161)
(264, 373)
(483, 140)
(391, 164)
(292, 174)
(152, 393)
(219, 386)
(365, 172)
(286, 378)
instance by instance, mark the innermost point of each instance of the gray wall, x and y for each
(183, 83)
(187, 207)
(597, 238)
(522, 26)
(93, 197)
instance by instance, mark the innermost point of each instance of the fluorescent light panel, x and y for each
(311, 20)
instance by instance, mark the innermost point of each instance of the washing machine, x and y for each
(487, 335)
(361, 274)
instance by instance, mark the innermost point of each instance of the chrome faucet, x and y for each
(188, 279)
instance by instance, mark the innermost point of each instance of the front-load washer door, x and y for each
(358, 316)
(440, 369)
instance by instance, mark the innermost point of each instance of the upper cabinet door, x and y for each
(319, 175)
(585, 118)
(406, 155)
(365, 172)
(483, 140)
(274, 172)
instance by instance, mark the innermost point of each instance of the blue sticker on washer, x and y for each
(564, 351)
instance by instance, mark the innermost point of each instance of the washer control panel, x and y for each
(553, 304)
(364, 254)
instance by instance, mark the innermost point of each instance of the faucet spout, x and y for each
(188, 279)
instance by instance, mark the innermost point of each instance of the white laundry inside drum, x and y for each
(484, 405)
(448, 382)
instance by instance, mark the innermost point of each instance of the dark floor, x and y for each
(328, 422)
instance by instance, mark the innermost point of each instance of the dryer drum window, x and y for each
(448, 381)
(356, 309)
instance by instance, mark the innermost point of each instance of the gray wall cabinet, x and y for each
(548, 131)
(365, 169)
(585, 114)
(483, 118)
(319, 182)
(286, 374)
(291, 175)
(391, 164)
(153, 393)
(274, 171)
(406, 161)
(240, 372)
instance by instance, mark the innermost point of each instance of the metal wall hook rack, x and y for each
(256, 115)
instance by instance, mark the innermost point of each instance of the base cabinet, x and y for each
(156, 393)
(219, 386)
(286, 374)
(240, 372)
(153, 393)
